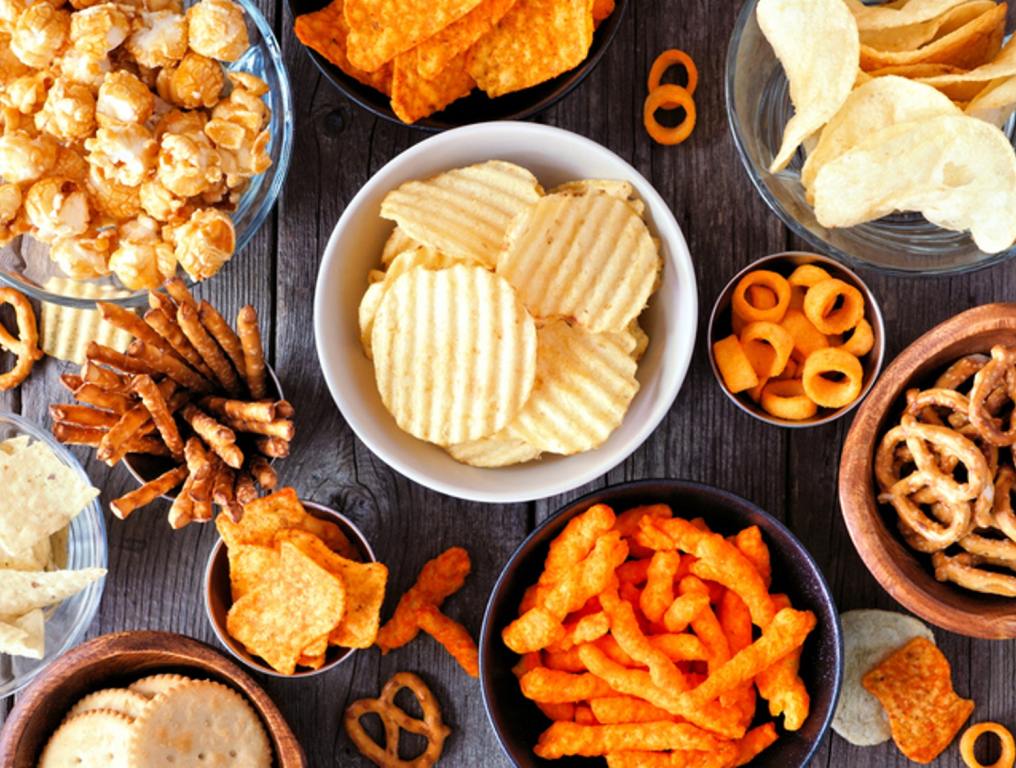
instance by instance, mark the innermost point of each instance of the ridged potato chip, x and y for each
(397, 242)
(464, 212)
(415, 96)
(326, 32)
(66, 331)
(818, 44)
(877, 104)
(912, 36)
(379, 30)
(434, 53)
(454, 353)
(585, 383)
(958, 171)
(498, 450)
(622, 190)
(590, 258)
(534, 42)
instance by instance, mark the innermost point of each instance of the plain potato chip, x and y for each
(454, 353)
(869, 636)
(326, 31)
(585, 383)
(913, 36)
(973, 44)
(589, 257)
(24, 635)
(379, 30)
(498, 450)
(24, 591)
(435, 53)
(415, 97)
(958, 171)
(877, 104)
(899, 14)
(535, 41)
(622, 190)
(464, 212)
(817, 42)
(995, 104)
(41, 496)
(1003, 66)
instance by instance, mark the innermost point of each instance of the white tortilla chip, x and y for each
(24, 591)
(24, 635)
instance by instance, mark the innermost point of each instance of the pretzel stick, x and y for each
(173, 367)
(284, 409)
(182, 509)
(253, 351)
(223, 487)
(242, 410)
(263, 473)
(148, 492)
(111, 447)
(273, 447)
(201, 470)
(282, 429)
(220, 438)
(82, 415)
(187, 317)
(219, 329)
(93, 394)
(72, 434)
(99, 353)
(153, 399)
(177, 288)
(245, 490)
(71, 381)
(103, 377)
(166, 326)
(127, 321)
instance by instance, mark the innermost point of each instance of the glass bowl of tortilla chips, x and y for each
(53, 586)
(893, 161)
(456, 62)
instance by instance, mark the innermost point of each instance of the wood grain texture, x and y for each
(155, 579)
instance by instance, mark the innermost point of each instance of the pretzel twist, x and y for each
(25, 346)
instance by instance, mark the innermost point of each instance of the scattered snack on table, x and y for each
(160, 720)
(67, 331)
(181, 393)
(424, 59)
(545, 288)
(126, 144)
(908, 113)
(914, 685)
(869, 636)
(41, 497)
(942, 471)
(1007, 758)
(667, 96)
(395, 720)
(298, 584)
(24, 345)
(797, 344)
(419, 608)
(659, 646)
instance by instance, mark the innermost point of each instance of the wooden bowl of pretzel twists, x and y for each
(926, 474)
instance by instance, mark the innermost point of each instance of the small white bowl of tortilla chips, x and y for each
(531, 331)
(52, 552)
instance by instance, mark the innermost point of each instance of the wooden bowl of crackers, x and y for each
(926, 471)
(129, 685)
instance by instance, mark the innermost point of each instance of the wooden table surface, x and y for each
(156, 575)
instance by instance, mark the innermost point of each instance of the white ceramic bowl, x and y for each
(555, 156)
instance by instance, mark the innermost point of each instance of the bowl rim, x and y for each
(878, 327)
(757, 178)
(227, 642)
(489, 633)
(277, 179)
(678, 257)
(92, 514)
(573, 78)
(188, 649)
(856, 472)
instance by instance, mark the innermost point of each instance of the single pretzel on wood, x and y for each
(395, 719)
(25, 345)
(1000, 371)
(964, 569)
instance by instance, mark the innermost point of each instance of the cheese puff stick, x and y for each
(553, 687)
(684, 610)
(658, 594)
(453, 636)
(754, 743)
(583, 630)
(749, 542)
(723, 757)
(781, 686)
(563, 739)
(576, 541)
(626, 709)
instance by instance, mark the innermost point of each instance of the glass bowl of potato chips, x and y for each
(142, 230)
(55, 585)
(881, 136)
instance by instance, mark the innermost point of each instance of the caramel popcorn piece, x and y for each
(160, 40)
(124, 152)
(57, 207)
(24, 157)
(195, 82)
(123, 98)
(217, 29)
(84, 257)
(204, 243)
(39, 34)
(68, 113)
(99, 29)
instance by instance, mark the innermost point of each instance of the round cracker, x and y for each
(454, 353)
(154, 685)
(587, 257)
(122, 700)
(869, 636)
(97, 739)
(585, 383)
(200, 723)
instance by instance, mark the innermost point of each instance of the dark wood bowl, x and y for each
(117, 660)
(901, 571)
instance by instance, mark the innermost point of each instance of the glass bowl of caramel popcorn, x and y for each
(139, 139)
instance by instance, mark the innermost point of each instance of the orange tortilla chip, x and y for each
(414, 97)
(249, 566)
(379, 30)
(282, 617)
(365, 590)
(536, 41)
(437, 52)
(325, 31)
(914, 685)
